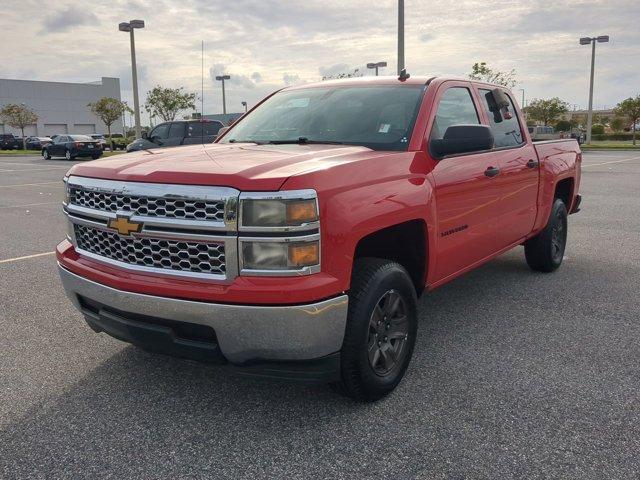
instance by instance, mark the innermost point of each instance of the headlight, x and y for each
(65, 180)
(284, 211)
(280, 255)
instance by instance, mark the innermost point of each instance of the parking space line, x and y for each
(35, 165)
(16, 259)
(31, 169)
(608, 163)
(31, 205)
(59, 184)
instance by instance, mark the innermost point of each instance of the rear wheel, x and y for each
(545, 251)
(381, 330)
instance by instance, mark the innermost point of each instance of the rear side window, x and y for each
(194, 129)
(507, 131)
(455, 108)
(161, 131)
(176, 130)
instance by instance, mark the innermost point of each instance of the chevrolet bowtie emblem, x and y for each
(124, 226)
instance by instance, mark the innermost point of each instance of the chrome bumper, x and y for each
(244, 333)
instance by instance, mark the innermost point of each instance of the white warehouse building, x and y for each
(61, 107)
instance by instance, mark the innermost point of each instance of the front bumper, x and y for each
(244, 334)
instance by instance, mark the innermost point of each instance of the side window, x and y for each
(507, 131)
(455, 108)
(212, 128)
(176, 130)
(161, 131)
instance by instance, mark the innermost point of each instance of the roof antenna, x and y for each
(403, 75)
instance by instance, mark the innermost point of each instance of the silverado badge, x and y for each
(124, 226)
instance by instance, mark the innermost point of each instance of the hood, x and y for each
(247, 167)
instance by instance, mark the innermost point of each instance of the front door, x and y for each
(466, 191)
(519, 170)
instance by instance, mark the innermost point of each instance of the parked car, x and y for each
(72, 146)
(171, 134)
(98, 137)
(36, 143)
(296, 246)
(9, 142)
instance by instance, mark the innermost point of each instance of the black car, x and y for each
(171, 134)
(72, 146)
(36, 143)
(8, 142)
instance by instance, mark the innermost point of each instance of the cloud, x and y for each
(66, 19)
(290, 79)
(266, 44)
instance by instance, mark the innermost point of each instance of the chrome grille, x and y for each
(174, 255)
(165, 207)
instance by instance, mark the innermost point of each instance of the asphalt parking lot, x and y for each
(515, 374)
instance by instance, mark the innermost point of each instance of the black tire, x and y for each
(374, 282)
(68, 156)
(95, 157)
(45, 154)
(545, 251)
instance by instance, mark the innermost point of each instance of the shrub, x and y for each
(597, 129)
(563, 126)
(612, 136)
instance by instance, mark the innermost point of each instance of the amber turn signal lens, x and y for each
(304, 254)
(301, 212)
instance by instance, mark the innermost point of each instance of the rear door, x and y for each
(519, 172)
(465, 188)
(58, 147)
(176, 134)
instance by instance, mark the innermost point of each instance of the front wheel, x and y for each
(45, 154)
(381, 330)
(68, 156)
(545, 251)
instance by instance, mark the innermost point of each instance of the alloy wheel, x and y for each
(388, 333)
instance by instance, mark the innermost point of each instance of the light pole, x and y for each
(222, 78)
(376, 66)
(522, 90)
(130, 27)
(400, 36)
(244, 104)
(592, 41)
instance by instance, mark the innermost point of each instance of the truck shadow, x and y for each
(146, 413)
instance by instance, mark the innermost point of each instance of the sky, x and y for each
(266, 44)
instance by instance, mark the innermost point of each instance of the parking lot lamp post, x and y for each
(376, 66)
(592, 41)
(130, 27)
(244, 104)
(522, 90)
(222, 78)
(400, 36)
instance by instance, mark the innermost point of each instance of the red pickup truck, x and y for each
(297, 245)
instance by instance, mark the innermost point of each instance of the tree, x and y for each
(109, 110)
(18, 116)
(618, 124)
(354, 74)
(630, 108)
(166, 103)
(546, 111)
(481, 72)
(563, 125)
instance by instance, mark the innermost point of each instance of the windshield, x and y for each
(378, 117)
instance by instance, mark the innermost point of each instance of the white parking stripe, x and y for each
(59, 184)
(9, 260)
(608, 163)
(31, 169)
(35, 165)
(32, 205)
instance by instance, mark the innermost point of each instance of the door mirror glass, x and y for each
(459, 139)
(145, 135)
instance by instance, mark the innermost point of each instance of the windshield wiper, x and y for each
(304, 141)
(233, 140)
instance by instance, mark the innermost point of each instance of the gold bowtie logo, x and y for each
(124, 226)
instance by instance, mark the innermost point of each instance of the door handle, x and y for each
(532, 163)
(492, 171)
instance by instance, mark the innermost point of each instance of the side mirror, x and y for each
(145, 135)
(462, 139)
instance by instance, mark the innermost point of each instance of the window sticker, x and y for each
(384, 128)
